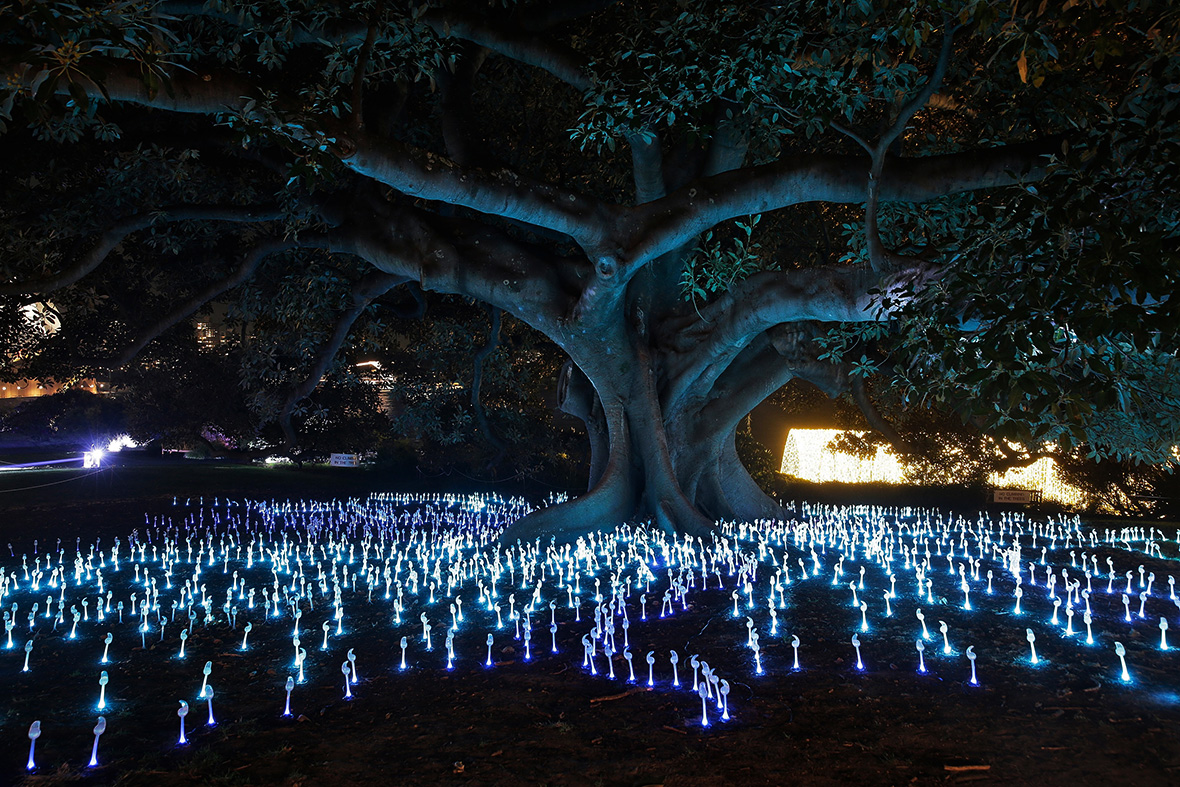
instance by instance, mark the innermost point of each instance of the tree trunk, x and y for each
(676, 467)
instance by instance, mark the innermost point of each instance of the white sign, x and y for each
(1020, 496)
(344, 460)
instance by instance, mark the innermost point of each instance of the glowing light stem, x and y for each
(1121, 652)
(99, 729)
(207, 671)
(34, 734)
(182, 712)
(290, 686)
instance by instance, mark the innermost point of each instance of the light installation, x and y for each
(809, 456)
(382, 569)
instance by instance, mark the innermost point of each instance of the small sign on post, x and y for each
(1013, 496)
(344, 460)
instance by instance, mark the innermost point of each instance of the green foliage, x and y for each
(717, 264)
(1082, 349)
(784, 71)
(1052, 320)
(63, 43)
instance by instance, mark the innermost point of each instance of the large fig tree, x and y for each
(696, 201)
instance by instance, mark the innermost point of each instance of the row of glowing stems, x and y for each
(1164, 625)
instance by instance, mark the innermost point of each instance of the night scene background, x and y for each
(589, 392)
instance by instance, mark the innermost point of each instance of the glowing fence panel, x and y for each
(808, 455)
(1041, 475)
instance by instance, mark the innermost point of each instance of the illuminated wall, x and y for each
(808, 456)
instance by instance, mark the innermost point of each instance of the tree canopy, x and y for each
(695, 201)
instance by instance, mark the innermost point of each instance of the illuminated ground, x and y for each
(547, 719)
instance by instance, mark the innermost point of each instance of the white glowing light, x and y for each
(808, 455)
(119, 443)
(182, 712)
(34, 734)
(1121, 652)
(316, 573)
(1043, 476)
(99, 729)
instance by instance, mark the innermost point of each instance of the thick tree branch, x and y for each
(756, 373)
(647, 166)
(462, 256)
(667, 223)
(879, 258)
(364, 291)
(250, 262)
(94, 256)
(765, 300)
(767, 364)
(503, 193)
(358, 78)
(404, 168)
(562, 62)
(728, 148)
